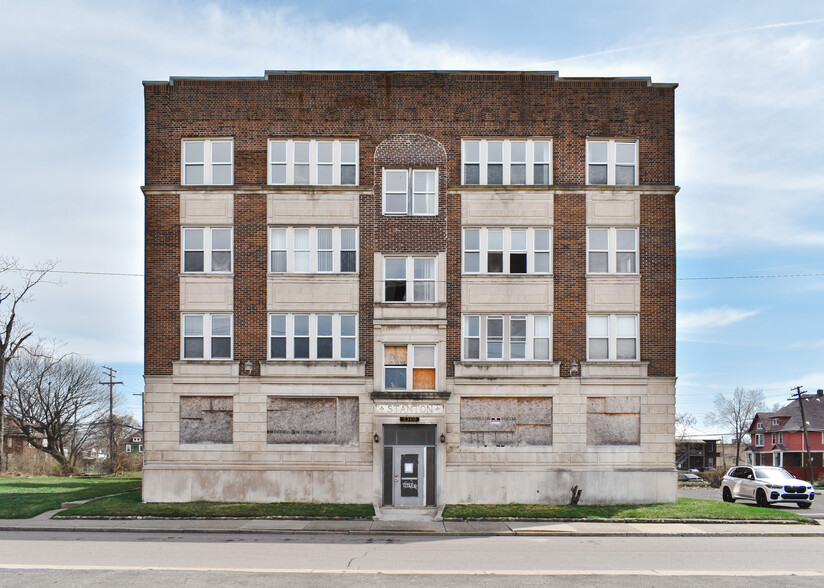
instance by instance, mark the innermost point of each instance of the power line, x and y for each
(752, 277)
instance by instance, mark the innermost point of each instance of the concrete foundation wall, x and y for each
(252, 469)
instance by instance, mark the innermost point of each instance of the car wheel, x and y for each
(761, 499)
(727, 495)
(804, 504)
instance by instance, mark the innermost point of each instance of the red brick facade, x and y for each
(409, 119)
(569, 328)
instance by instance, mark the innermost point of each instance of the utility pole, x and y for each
(800, 396)
(110, 372)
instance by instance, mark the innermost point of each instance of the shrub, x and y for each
(713, 477)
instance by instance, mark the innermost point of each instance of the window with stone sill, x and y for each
(612, 250)
(313, 336)
(759, 440)
(207, 250)
(313, 250)
(507, 250)
(612, 337)
(313, 162)
(411, 192)
(208, 162)
(207, 336)
(503, 162)
(409, 367)
(506, 337)
(612, 162)
(409, 279)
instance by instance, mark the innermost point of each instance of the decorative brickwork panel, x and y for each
(569, 279)
(330, 421)
(206, 419)
(506, 422)
(366, 309)
(250, 319)
(162, 302)
(410, 234)
(453, 283)
(657, 267)
(614, 420)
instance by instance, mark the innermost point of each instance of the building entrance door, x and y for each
(409, 465)
(409, 476)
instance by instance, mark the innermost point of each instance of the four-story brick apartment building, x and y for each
(410, 288)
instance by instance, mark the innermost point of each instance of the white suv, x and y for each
(766, 485)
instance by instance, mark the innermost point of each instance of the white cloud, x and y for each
(710, 318)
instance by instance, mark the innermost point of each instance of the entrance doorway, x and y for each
(409, 465)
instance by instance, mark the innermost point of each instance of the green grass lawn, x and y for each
(22, 498)
(685, 508)
(130, 505)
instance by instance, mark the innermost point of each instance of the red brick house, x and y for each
(409, 288)
(777, 438)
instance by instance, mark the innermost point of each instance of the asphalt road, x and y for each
(85, 559)
(715, 494)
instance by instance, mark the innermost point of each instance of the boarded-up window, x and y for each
(205, 419)
(614, 420)
(506, 422)
(330, 421)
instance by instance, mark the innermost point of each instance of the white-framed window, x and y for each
(310, 250)
(207, 249)
(780, 438)
(313, 336)
(612, 162)
(612, 250)
(612, 337)
(409, 367)
(759, 425)
(504, 162)
(140, 448)
(207, 336)
(518, 250)
(507, 337)
(313, 162)
(410, 192)
(409, 279)
(208, 162)
(759, 440)
(775, 422)
(137, 440)
(128, 448)
(773, 438)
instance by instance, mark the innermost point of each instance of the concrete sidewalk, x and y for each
(44, 522)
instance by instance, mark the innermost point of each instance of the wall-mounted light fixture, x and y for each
(248, 366)
(573, 368)
(376, 438)
(443, 438)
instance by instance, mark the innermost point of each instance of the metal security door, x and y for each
(409, 476)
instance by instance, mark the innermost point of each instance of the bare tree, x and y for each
(735, 412)
(682, 447)
(13, 333)
(57, 402)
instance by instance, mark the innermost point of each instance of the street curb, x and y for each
(409, 533)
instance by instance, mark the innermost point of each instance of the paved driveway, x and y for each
(715, 494)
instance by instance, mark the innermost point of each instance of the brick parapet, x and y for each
(371, 106)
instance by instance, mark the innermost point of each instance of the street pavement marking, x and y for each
(741, 573)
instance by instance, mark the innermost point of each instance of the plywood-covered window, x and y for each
(409, 367)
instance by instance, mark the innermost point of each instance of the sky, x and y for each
(749, 123)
